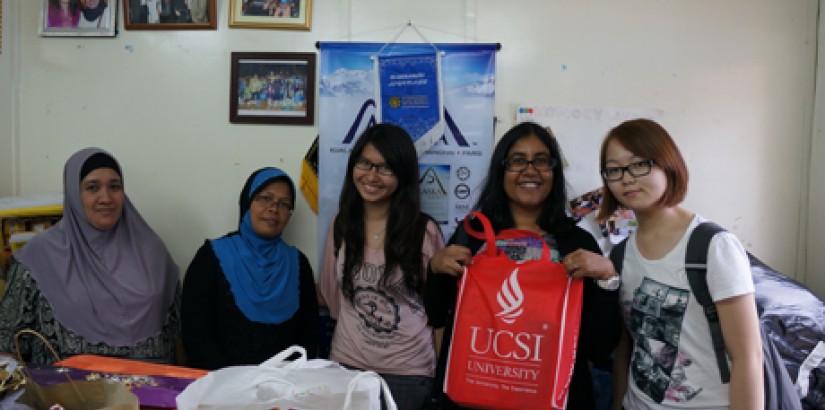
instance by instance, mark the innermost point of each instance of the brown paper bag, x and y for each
(74, 394)
(93, 395)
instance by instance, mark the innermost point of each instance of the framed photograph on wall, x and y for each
(169, 14)
(73, 18)
(272, 88)
(287, 14)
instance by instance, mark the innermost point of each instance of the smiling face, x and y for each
(642, 193)
(101, 193)
(268, 212)
(374, 187)
(527, 189)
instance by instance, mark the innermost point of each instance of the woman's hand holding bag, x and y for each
(516, 327)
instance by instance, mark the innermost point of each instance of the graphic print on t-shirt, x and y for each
(657, 367)
(378, 311)
(379, 308)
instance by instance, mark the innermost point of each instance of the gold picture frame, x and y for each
(281, 14)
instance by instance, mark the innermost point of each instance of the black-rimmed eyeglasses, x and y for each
(366, 165)
(541, 163)
(636, 170)
(269, 201)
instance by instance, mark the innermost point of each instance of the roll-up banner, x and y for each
(442, 94)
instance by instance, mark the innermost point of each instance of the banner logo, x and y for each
(511, 299)
(462, 191)
(434, 198)
(367, 113)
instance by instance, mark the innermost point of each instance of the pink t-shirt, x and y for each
(384, 330)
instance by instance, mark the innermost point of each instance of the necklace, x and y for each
(376, 236)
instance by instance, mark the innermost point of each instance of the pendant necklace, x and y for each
(377, 235)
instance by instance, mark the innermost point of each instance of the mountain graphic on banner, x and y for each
(345, 82)
(485, 87)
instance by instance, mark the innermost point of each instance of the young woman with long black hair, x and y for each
(375, 264)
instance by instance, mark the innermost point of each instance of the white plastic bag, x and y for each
(301, 384)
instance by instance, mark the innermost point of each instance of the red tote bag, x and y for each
(515, 332)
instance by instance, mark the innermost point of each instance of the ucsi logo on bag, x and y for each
(510, 298)
(515, 333)
(506, 344)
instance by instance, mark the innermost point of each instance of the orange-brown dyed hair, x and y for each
(646, 139)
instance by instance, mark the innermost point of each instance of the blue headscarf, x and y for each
(262, 272)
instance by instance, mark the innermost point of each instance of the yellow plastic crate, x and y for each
(22, 216)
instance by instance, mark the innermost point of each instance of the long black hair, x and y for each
(406, 224)
(493, 201)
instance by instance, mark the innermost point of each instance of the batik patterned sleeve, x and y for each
(17, 307)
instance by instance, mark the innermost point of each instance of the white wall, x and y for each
(815, 223)
(8, 97)
(734, 79)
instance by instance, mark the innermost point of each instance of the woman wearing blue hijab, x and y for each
(248, 295)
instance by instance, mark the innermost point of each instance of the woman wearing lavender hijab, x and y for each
(98, 282)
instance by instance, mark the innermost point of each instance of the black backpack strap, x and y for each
(696, 260)
(617, 255)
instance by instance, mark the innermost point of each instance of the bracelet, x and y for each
(611, 283)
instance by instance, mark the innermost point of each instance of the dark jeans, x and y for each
(409, 392)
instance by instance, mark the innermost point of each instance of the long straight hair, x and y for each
(493, 201)
(406, 224)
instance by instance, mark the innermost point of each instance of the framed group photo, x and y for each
(169, 14)
(73, 18)
(284, 14)
(272, 88)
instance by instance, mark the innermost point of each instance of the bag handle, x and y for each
(279, 360)
(488, 235)
(54, 352)
(388, 400)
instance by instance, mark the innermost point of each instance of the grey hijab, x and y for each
(113, 287)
